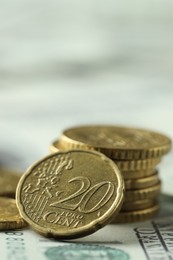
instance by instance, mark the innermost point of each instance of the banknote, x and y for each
(152, 240)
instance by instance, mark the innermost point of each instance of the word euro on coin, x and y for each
(70, 194)
(119, 143)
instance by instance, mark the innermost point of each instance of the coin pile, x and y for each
(93, 176)
(136, 152)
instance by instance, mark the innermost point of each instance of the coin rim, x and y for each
(89, 228)
(141, 183)
(11, 224)
(133, 175)
(138, 165)
(135, 205)
(121, 153)
(145, 193)
(136, 215)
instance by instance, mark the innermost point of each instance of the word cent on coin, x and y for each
(70, 194)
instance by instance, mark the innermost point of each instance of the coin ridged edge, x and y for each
(141, 183)
(138, 174)
(138, 205)
(129, 169)
(142, 194)
(118, 153)
(136, 216)
(138, 164)
(9, 225)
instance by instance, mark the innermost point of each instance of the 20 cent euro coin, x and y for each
(70, 194)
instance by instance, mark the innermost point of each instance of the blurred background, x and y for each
(66, 63)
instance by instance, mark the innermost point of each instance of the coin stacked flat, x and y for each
(9, 214)
(136, 152)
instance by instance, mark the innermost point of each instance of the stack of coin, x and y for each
(136, 152)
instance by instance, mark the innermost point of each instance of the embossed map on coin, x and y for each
(70, 194)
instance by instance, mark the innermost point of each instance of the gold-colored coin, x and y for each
(141, 183)
(9, 215)
(55, 147)
(138, 205)
(129, 169)
(137, 215)
(8, 182)
(70, 194)
(133, 175)
(118, 143)
(142, 194)
(138, 165)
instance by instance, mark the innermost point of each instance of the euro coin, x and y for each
(119, 143)
(8, 182)
(138, 165)
(141, 183)
(129, 169)
(138, 205)
(54, 147)
(70, 194)
(137, 215)
(142, 194)
(138, 174)
(9, 215)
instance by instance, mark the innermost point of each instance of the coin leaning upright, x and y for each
(70, 194)
(119, 143)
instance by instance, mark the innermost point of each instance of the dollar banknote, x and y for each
(152, 240)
